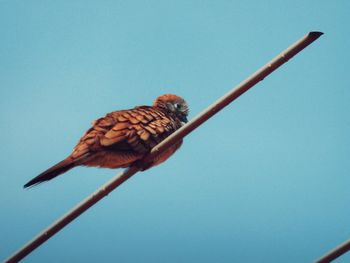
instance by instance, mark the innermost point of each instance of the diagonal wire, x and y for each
(158, 149)
(335, 253)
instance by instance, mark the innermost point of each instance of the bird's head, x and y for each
(174, 105)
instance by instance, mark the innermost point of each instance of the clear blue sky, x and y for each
(266, 180)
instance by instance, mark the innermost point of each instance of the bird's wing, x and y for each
(137, 130)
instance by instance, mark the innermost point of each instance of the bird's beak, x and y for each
(183, 119)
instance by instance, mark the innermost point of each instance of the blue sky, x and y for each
(266, 180)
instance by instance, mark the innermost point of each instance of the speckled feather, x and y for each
(121, 137)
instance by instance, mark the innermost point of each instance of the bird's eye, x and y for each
(177, 106)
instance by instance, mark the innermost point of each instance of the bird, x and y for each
(123, 138)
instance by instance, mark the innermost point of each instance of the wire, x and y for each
(158, 149)
(335, 253)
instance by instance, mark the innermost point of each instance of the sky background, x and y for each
(265, 180)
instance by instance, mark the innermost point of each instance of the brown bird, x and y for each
(122, 138)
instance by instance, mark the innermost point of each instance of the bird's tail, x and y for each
(52, 172)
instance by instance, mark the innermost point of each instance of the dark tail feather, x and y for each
(52, 172)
